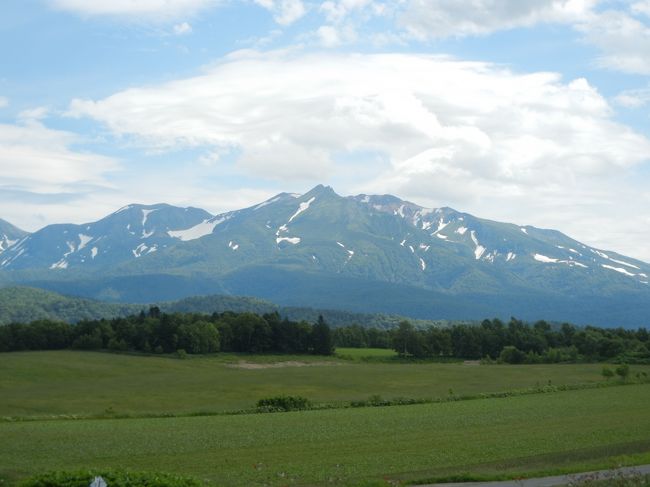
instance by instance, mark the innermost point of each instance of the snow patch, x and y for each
(412, 249)
(291, 240)
(511, 256)
(402, 242)
(62, 264)
(93, 252)
(267, 202)
(618, 269)
(551, 260)
(461, 230)
(145, 215)
(303, 206)
(340, 244)
(139, 250)
(124, 208)
(423, 264)
(441, 236)
(545, 259)
(601, 254)
(206, 227)
(524, 230)
(233, 245)
(424, 247)
(625, 263)
(83, 240)
(441, 224)
(479, 250)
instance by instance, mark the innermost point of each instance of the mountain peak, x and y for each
(321, 190)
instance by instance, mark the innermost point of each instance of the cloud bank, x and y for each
(433, 129)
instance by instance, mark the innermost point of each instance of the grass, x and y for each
(569, 430)
(88, 383)
(365, 353)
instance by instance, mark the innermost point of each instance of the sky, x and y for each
(532, 112)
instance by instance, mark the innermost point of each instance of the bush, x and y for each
(512, 355)
(623, 371)
(283, 403)
(113, 478)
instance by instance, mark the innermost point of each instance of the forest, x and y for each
(194, 333)
(183, 333)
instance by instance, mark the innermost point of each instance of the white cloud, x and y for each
(641, 8)
(529, 148)
(34, 158)
(633, 98)
(333, 36)
(3, 101)
(34, 114)
(431, 19)
(624, 40)
(285, 12)
(182, 29)
(337, 10)
(151, 9)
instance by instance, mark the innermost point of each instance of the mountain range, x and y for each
(362, 253)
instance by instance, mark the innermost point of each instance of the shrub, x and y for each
(512, 355)
(283, 403)
(623, 371)
(113, 478)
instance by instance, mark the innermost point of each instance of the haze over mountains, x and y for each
(362, 253)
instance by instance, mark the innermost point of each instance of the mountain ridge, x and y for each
(377, 242)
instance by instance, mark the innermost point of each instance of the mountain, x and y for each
(24, 305)
(131, 232)
(362, 253)
(9, 235)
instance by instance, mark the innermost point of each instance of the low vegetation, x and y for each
(113, 478)
(81, 383)
(564, 431)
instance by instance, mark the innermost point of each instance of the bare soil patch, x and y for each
(242, 364)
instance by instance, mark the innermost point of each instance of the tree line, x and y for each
(194, 333)
(511, 342)
(158, 332)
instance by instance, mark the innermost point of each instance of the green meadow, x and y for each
(345, 446)
(537, 433)
(91, 383)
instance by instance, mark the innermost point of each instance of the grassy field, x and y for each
(343, 446)
(88, 383)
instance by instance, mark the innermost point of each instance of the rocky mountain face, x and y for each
(364, 253)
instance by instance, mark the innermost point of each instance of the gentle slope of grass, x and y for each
(345, 445)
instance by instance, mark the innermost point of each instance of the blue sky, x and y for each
(532, 112)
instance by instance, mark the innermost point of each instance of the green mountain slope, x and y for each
(362, 253)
